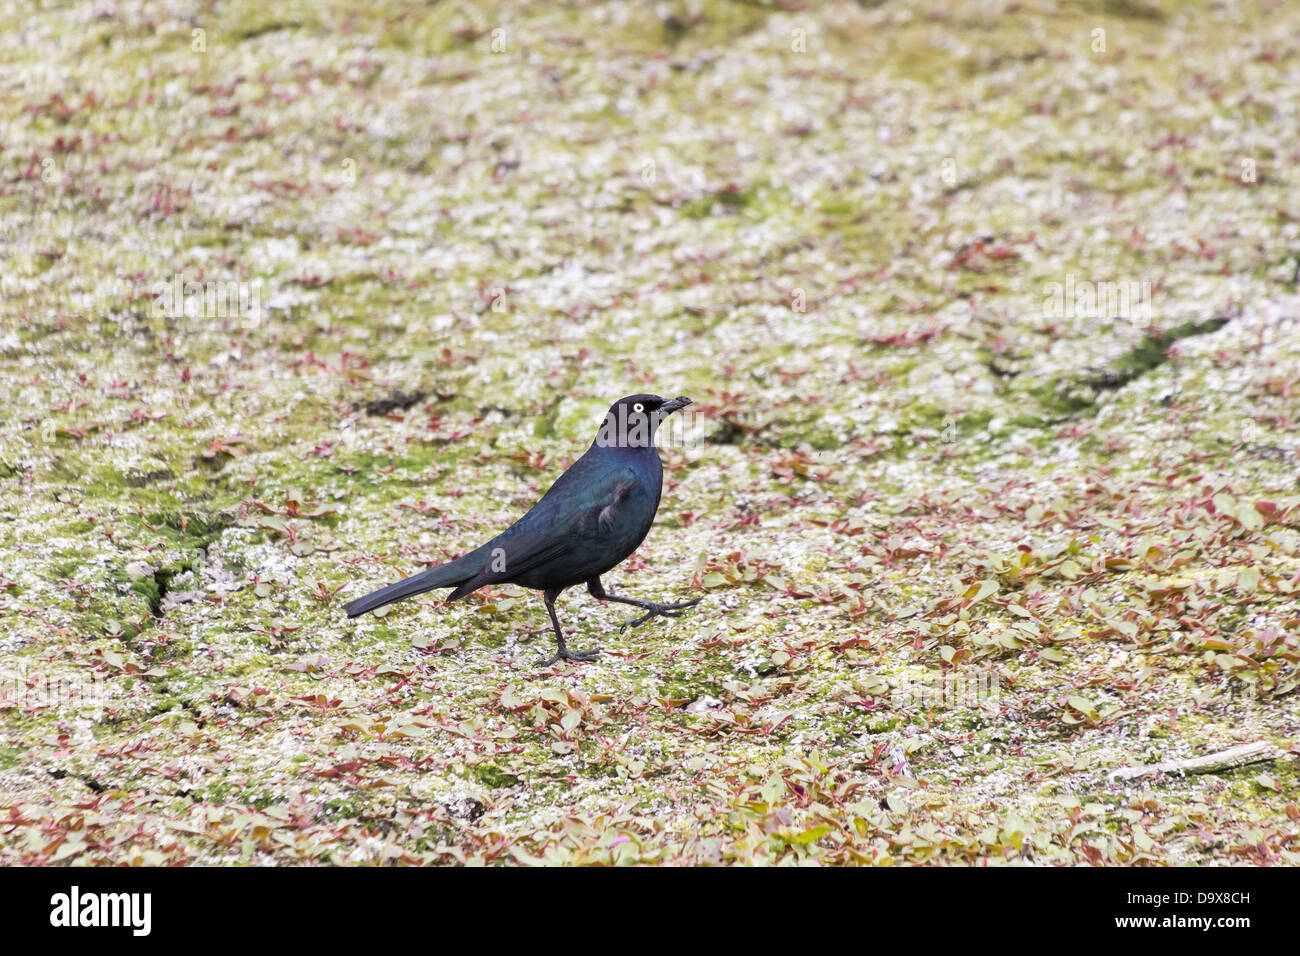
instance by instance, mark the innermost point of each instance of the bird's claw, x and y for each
(661, 610)
(564, 654)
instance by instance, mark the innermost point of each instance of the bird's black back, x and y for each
(595, 514)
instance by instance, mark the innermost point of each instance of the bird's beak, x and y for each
(674, 404)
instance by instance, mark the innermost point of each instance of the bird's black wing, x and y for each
(582, 505)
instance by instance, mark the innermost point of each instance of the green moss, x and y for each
(731, 199)
(1152, 351)
(495, 777)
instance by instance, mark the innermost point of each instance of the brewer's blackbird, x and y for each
(595, 515)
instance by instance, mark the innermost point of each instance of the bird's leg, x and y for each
(597, 590)
(563, 653)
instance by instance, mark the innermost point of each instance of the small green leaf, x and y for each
(813, 833)
(773, 789)
(1083, 705)
(1268, 781)
(1250, 519)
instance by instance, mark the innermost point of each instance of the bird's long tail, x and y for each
(443, 576)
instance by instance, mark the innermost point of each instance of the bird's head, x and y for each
(632, 422)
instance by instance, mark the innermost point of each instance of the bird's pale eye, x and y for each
(638, 408)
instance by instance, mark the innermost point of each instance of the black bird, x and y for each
(594, 516)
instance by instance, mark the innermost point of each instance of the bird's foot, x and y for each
(564, 654)
(661, 610)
